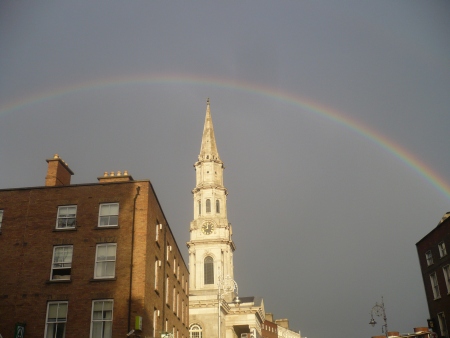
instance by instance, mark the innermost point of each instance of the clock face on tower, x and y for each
(207, 228)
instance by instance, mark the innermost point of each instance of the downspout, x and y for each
(164, 281)
(138, 188)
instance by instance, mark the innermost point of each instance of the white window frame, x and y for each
(104, 319)
(446, 270)
(167, 289)
(174, 299)
(195, 331)
(54, 324)
(429, 257)
(102, 262)
(62, 262)
(442, 324)
(155, 320)
(157, 231)
(157, 267)
(105, 213)
(64, 219)
(442, 249)
(435, 286)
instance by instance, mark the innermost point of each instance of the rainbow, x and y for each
(401, 153)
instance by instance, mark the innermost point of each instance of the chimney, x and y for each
(115, 177)
(283, 323)
(58, 172)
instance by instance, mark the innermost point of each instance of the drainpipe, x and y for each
(164, 281)
(138, 188)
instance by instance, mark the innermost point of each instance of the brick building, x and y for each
(89, 260)
(435, 267)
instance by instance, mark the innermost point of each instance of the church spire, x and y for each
(208, 149)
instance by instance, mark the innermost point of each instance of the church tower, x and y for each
(210, 247)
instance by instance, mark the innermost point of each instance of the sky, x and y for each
(331, 118)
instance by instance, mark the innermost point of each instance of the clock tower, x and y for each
(210, 246)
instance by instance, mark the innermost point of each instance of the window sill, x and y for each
(64, 229)
(56, 281)
(102, 279)
(106, 227)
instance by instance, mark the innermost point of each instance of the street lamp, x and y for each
(379, 311)
(225, 285)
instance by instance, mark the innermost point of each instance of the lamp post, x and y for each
(379, 311)
(225, 285)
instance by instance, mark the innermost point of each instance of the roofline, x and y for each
(434, 229)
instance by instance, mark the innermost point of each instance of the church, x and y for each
(215, 308)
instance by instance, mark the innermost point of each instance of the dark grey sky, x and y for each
(325, 219)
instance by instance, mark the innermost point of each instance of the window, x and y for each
(435, 286)
(195, 331)
(447, 277)
(102, 316)
(66, 217)
(182, 311)
(442, 249)
(443, 324)
(208, 205)
(1, 219)
(55, 325)
(157, 228)
(429, 257)
(157, 265)
(62, 262)
(155, 320)
(209, 270)
(105, 260)
(108, 215)
(174, 299)
(199, 207)
(218, 206)
(167, 289)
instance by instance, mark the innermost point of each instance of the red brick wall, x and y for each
(26, 249)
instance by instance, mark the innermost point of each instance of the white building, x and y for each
(211, 249)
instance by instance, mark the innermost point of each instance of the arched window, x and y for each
(195, 331)
(217, 206)
(208, 267)
(199, 207)
(208, 205)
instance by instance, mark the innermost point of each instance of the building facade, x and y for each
(89, 260)
(434, 262)
(214, 309)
